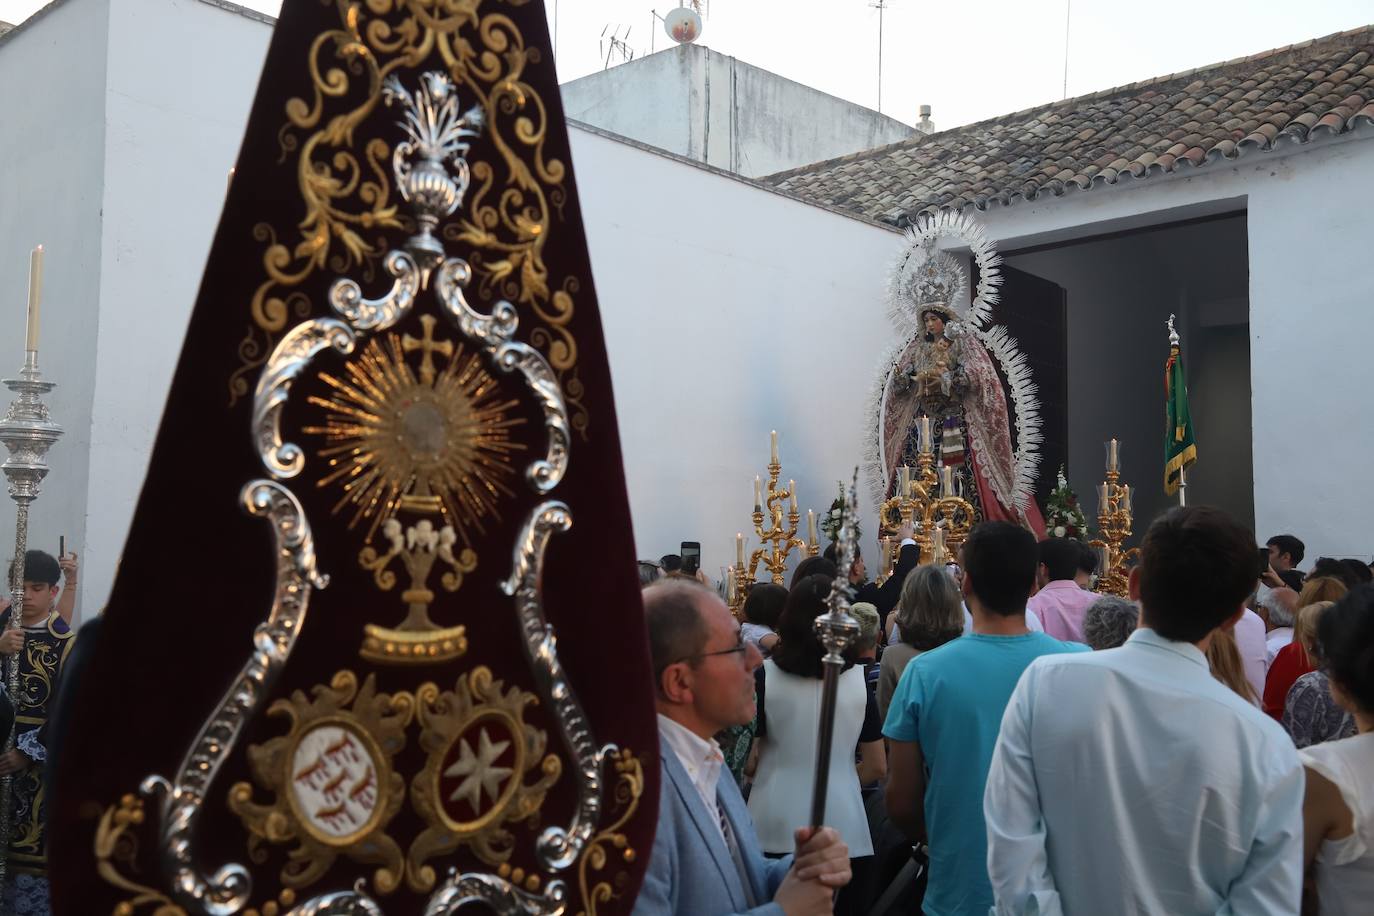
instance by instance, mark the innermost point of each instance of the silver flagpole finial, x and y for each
(837, 631)
(1173, 332)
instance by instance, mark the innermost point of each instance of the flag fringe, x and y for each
(1175, 465)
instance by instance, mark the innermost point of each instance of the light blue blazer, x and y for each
(690, 870)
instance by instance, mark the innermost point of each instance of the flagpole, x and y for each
(1174, 344)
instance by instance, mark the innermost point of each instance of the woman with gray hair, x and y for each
(1109, 621)
(929, 614)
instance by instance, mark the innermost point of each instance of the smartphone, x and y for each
(1263, 561)
(691, 557)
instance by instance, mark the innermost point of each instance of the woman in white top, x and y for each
(789, 721)
(1338, 809)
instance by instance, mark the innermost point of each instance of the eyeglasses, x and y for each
(739, 648)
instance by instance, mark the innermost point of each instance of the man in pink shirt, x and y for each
(1061, 603)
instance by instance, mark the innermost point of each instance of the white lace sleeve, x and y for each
(31, 747)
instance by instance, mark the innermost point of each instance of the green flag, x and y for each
(1180, 450)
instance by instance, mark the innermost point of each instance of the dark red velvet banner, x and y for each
(462, 483)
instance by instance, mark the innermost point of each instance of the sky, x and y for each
(968, 59)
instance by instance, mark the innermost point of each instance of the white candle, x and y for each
(775, 446)
(730, 585)
(758, 493)
(1112, 456)
(946, 481)
(937, 545)
(1126, 498)
(924, 443)
(811, 526)
(1103, 502)
(739, 550)
(904, 477)
(792, 488)
(35, 296)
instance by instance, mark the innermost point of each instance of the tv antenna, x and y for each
(614, 44)
(1068, 20)
(880, 5)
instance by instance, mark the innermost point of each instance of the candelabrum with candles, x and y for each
(1114, 519)
(930, 504)
(777, 541)
(27, 433)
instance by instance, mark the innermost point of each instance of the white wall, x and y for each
(729, 311)
(618, 100)
(716, 109)
(52, 77)
(1309, 222)
(169, 147)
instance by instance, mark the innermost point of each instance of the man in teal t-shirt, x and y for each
(947, 710)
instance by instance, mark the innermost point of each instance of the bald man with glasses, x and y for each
(706, 859)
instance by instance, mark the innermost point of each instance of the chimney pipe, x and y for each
(925, 125)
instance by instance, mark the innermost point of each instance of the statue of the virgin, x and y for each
(943, 369)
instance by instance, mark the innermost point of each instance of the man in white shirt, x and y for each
(1131, 780)
(706, 859)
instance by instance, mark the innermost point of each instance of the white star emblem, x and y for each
(477, 771)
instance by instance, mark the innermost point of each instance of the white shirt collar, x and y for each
(700, 757)
(1148, 637)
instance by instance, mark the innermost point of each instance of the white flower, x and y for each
(1059, 531)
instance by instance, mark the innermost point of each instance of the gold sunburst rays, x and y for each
(432, 442)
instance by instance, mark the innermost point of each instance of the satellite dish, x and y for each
(683, 25)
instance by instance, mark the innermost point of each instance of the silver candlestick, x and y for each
(837, 631)
(27, 433)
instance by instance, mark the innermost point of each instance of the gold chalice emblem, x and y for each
(423, 458)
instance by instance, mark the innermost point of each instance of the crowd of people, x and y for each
(1008, 741)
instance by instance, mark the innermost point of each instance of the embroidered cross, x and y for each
(429, 346)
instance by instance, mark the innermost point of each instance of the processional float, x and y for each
(940, 455)
(391, 428)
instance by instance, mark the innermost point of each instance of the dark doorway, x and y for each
(1035, 311)
(1103, 376)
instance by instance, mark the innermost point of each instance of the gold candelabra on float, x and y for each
(775, 542)
(930, 504)
(1114, 518)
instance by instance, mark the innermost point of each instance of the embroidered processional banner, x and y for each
(390, 449)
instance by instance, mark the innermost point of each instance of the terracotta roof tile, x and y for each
(1300, 93)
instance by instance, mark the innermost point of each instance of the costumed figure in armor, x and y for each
(943, 369)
